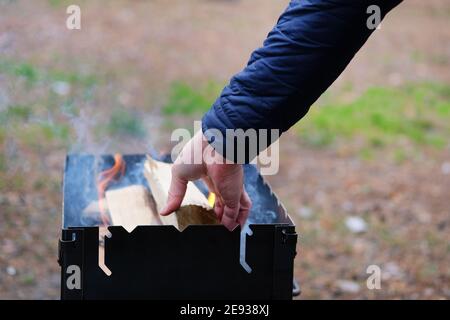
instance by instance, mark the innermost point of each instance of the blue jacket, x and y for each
(311, 44)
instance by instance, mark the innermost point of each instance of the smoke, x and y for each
(84, 139)
(98, 133)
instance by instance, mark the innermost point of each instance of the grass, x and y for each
(28, 279)
(33, 74)
(62, 3)
(185, 99)
(23, 70)
(15, 113)
(26, 71)
(2, 163)
(125, 123)
(12, 182)
(419, 113)
(73, 78)
(39, 117)
(3, 166)
(42, 135)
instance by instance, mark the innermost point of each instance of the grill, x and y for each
(161, 262)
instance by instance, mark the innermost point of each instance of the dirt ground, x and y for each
(141, 47)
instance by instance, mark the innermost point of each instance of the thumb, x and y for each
(176, 194)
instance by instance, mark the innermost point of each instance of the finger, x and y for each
(177, 191)
(218, 209)
(229, 180)
(229, 217)
(244, 209)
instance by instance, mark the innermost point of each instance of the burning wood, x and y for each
(132, 206)
(93, 209)
(104, 180)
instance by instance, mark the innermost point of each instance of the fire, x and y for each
(211, 199)
(104, 180)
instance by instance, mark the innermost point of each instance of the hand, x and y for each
(224, 179)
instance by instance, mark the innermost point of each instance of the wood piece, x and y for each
(93, 208)
(131, 207)
(193, 214)
(195, 208)
(158, 176)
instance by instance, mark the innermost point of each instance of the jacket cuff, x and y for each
(235, 144)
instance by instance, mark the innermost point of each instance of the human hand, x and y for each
(224, 179)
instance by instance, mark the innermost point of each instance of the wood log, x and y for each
(93, 208)
(131, 207)
(194, 209)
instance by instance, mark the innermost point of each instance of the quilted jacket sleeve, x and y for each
(311, 44)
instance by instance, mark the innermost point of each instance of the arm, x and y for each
(303, 55)
(312, 43)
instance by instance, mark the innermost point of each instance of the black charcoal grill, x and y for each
(160, 262)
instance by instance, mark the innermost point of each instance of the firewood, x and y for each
(131, 207)
(93, 208)
(194, 209)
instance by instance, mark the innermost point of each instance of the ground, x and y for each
(138, 69)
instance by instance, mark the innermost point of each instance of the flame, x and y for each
(211, 199)
(104, 179)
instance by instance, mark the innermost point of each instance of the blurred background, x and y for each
(365, 175)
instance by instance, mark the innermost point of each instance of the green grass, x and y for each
(20, 69)
(419, 113)
(28, 279)
(26, 71)
(27, 118)
(62, 3)
(3, 166)
(33, 74)
(42, 135)
(15, 113)
(185, 99)
(12, 182)
(72, 78)
(125, 123)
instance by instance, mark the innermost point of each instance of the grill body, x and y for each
(160, 262)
